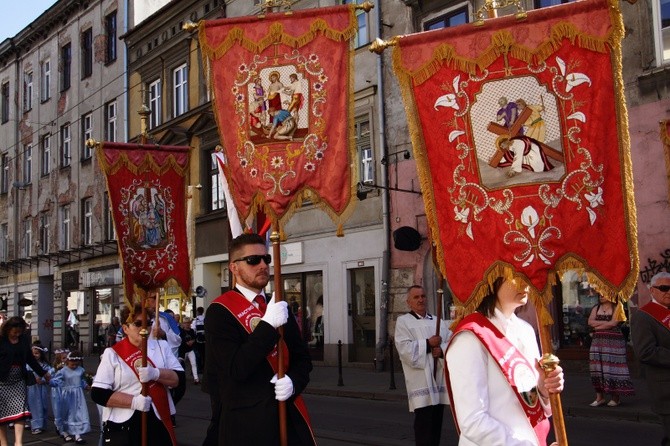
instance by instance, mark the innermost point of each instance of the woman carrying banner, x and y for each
(499, 394)
(118, 383)
(15, 353)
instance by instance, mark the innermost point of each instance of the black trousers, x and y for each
(428, 425)
(129, 433)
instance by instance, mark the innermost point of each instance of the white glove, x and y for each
(141, 403)
(277, 313)
(148, 373)
(283, 387)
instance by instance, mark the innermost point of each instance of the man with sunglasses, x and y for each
(241, 350)
(650, 331)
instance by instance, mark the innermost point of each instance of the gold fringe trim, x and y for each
(503, 42)
(148, 163)
(276, 34)
(665, 138)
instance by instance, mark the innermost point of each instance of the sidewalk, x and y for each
(578, 394)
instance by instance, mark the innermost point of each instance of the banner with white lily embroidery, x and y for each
(520, 132)
(282, 93)
(146, 185)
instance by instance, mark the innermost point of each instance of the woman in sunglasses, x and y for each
(118, 384)
(650, 330)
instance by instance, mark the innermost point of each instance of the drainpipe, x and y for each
(15, 183)
(386, 217)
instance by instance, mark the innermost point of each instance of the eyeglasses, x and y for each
(255, 259)
(662, 288)
(137, 323)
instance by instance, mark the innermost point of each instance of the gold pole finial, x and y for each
(490, 10)
(379, 45)
(270, 5)
(189, 26)
(144, 113)
(365, 6)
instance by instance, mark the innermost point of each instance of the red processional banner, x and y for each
(520, 132)
(282, 93)
(147, 195)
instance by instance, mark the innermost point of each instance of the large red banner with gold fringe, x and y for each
(520, 132)
(147, 195)
(282, 87)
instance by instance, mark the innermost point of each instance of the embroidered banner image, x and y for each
(520, 133)
(283, 103)
(146, 186)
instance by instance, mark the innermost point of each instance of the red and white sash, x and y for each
(512, 363)
(658, 312)
(250, 316)
(132, 356)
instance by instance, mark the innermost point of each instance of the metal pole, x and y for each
(340, 383)
(276, 255)
(392, 383)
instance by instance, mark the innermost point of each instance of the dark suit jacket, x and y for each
(651, 342)
(237, 359)
(25, 356)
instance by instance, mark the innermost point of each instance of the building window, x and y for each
(365, 152)
(86, 134)
(110, 118)
(110, 29)
(4, 245)
(455, 17)
(4, 174)
(65, 145)
(28, 91)
(661, 18)
(87, 53)
(44, 233)
(64, 242)
(45, 87)
(363, 34)
(66, 66)
(155, 103)
(27, 237)
(46, 155)
(27, 163)
(5, 102)
(218, 200)
(180, 82)
(546, 3)
(110, 234)
(87, 219)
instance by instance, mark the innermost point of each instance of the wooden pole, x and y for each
(278, 287)
(549, 362)
(440, 295)
(144, 332)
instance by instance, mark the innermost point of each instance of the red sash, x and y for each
(513, 365)
(658, 312)
(250, 316)
(132, 356)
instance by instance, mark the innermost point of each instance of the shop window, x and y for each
(304, 294)
(578, 299)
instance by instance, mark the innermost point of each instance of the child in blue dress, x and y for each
(73, 409)
(38, 393)
(59, 363)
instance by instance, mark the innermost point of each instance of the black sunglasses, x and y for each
(255, 259)
(137, 323)
(662, 288)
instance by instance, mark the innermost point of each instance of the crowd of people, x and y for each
(487, 369)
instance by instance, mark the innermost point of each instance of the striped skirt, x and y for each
(607, 363)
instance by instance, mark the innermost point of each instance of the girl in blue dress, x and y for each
(38, 392)
(59, 363)
(73, 409)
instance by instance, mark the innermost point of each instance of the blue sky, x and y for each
(22, 13)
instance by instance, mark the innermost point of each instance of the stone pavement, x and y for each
(363, 382)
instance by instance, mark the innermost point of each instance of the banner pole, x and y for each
(144, 332)
(278, 290)
(549, 362)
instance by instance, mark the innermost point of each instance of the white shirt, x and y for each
(411, 333)
(173, 339)
(250, 295)
(113, 373)
(487, 410)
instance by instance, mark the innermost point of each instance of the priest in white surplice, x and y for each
(417, 347)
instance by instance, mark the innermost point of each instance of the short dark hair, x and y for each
(126, 313)
(488, 305)
(241, 241)
(200, 310)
